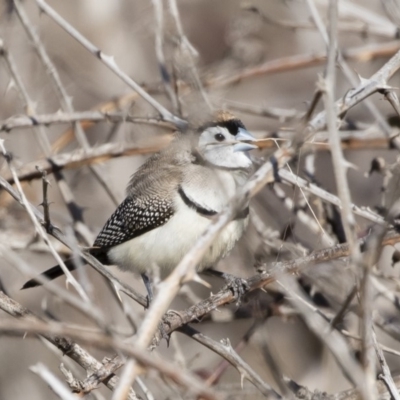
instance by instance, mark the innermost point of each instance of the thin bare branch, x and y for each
(58, 387)
(329, 197)
(184, 378)
(80, 157)
(271, 272)
(284, 64)
(109, 62)
(386, 375)
(225, 350)
(39, 228)
(66, 346)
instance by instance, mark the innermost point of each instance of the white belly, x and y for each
(165, 246)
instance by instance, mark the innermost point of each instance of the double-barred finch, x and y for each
(172, 198)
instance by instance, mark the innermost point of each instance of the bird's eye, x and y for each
(219, 137)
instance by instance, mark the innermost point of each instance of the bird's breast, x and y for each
(166, 245)
(209, 188)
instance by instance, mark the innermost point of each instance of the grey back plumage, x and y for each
(150, 195)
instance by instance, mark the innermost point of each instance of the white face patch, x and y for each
(212, 136)
(216, 145)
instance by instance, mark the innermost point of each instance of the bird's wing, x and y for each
(132, 218)
(148, 205)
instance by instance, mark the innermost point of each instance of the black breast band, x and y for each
(207, 213)
(198, 208)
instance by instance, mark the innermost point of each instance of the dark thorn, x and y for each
(294, 387)
(392, 143)
(395, 257)
(76, 211)
(396, 223)
(317, 297)
(377, 165)
(382, 211)
(251, 8)
(34, 120)
(334, 219)
(54, 167)
(164, 74)
(298, 208)
(242, 214)
(287, 232)
(10, 7)
(394, 121)
(320, 300)
(275, 168)
(351, 125)
(3, 288)
(8, 156)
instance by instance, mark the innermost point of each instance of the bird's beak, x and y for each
(245, 138)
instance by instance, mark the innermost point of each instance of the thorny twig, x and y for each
(341, 166)
(109, 62)
(34, 325)
(45, 145)
(45, 203)
(165, 75)
(386, 376)
(39, 228)
(225, 350)
(27, 121)
(80, 157)
(54, 382)
(66, 346)
(271, 273)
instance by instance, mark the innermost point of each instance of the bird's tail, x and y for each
(51, 274)
(71, 264)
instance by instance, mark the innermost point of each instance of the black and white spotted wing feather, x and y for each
(132, 218)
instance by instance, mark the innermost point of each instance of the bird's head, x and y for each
(225, 141)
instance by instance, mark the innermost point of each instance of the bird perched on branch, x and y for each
(171, 200)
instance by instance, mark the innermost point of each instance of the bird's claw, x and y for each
(163, 332)
(238, 286)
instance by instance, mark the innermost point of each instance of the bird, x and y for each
(171, 200)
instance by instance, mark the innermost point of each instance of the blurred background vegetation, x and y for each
(276, 53)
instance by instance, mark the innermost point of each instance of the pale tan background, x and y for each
(227, 39)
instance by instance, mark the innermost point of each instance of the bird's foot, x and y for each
(163, 332)
(238, 286)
